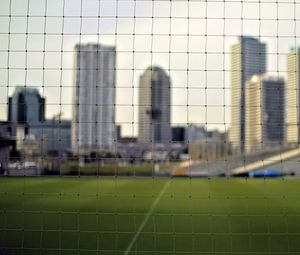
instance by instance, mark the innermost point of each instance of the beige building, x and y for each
(248, 57)
(264, 113)
(213, 145)
(292, 96)
(154, 107)
(208, 149)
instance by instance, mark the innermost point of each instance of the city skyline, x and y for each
(145, 33)
(228, 125)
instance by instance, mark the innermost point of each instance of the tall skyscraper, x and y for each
(264, 113)
(154, 106)
(93, 124)
(25, 107)
(248, 57)
(293, 97)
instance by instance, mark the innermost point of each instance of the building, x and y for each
(264, 113)
(248, 57)
(179, 134)
(50, 136)
(25, 107)
(190, 133)
(209, 149)
(213, 145)
(6, 146)
(293, 97)
(54, 135)
(93, 124)
(30, 146)
(26, 113)
(195, 133)
(154, 107)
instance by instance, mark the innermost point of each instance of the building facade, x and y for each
(26, 113)
(208, 149)
(265, 113)
(248, 57)
(25, 107)
(293, 97)
(154, 107)
(93, 122)
(53, 135)
(6, 146)
(210, 145)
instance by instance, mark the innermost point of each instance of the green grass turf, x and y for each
(70, 215)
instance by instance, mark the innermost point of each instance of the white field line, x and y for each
(149, 213)
(267, 162)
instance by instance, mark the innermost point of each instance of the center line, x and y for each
(163, 190)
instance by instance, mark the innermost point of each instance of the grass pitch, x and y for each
(149, 216)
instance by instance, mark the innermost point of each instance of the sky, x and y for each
(191, 40)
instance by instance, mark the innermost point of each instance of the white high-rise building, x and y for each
(154, 107)
(292, 97)
(248, 57)
(93, 125)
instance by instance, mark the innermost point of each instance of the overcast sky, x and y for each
(191, 40)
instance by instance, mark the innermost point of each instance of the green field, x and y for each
(69, 215)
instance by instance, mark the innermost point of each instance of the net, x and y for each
(149, 127)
